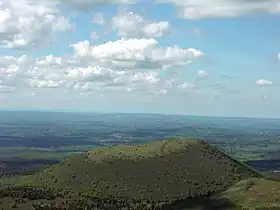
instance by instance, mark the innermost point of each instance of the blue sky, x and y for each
(213, 57)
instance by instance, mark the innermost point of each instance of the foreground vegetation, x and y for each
(169, 174)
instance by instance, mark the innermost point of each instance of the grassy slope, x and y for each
(162, 170)
(254, 193)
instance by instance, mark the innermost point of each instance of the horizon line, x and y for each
(132, 113)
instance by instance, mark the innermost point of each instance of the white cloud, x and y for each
(202, 73)
(90, 73)
(131, 25)
(263, 82)
(197, 9)
(98, 19)
(126, 64)
(132, 64)
(186, 85)
(28, 23)
(37, 83)
(136, 54)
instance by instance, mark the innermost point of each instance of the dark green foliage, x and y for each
(122, 203)
(30, 193)
(193, 169)
(202, 203)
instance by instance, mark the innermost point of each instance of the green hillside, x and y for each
(162, 170)
(188, 174)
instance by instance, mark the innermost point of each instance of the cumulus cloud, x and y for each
(29, 23)
(135, 54)
(186, 85)
(127, 64)
(131, 25)
(24, 71)
(132, 63)
(37, 83)
(263, 82)
(202, 73)
(197, 9)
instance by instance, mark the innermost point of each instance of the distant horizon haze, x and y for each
(87, 112)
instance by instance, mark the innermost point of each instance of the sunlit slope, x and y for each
(161, 170)
(254, 193)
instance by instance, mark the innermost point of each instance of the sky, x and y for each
(195, 57)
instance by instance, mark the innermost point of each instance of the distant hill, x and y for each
(161, 170)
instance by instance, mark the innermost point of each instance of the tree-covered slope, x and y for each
(161, 170)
